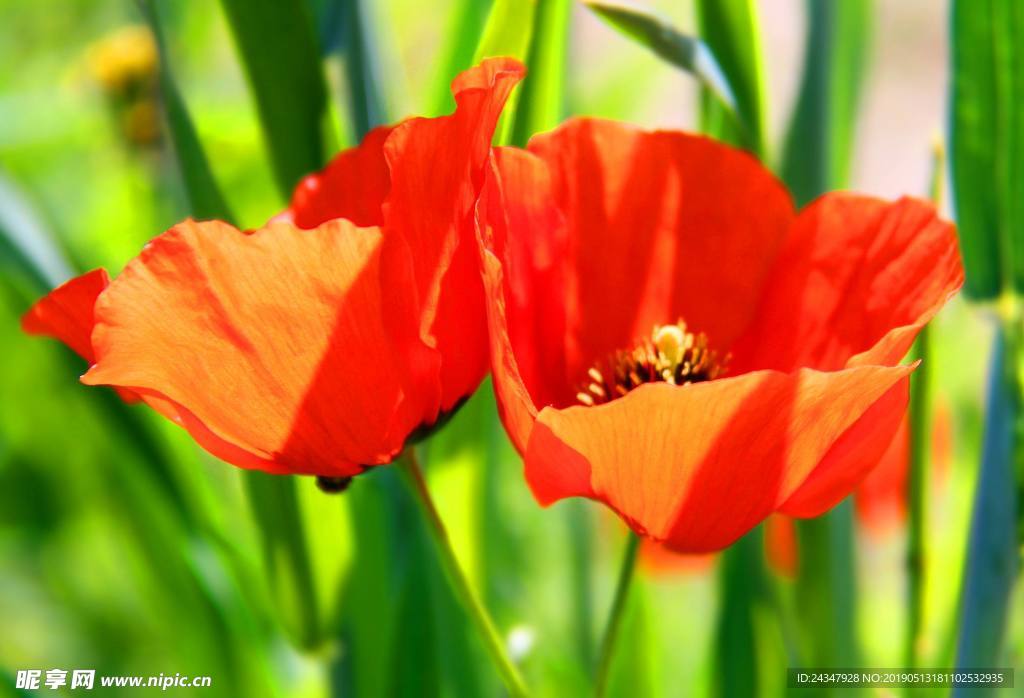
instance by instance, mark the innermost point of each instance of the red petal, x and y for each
(662, 225)
(852, 457)
(352, 186)
(855, 281)
(697, 466)
(271, 343)
(437, 173)
(66, 312)
(522, 243)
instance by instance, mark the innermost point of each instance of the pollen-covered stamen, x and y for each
(670, 355)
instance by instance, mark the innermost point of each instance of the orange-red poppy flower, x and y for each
(311, 351)
(771, 379)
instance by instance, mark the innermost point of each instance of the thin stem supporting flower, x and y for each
(611, 633)
(470, 601)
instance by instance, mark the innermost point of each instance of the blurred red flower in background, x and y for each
(771, 380)
(310, 351)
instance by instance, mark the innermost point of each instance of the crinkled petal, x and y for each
(273, 343)
(856, 280)
(434, 304)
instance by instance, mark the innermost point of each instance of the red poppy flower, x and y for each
(311, 351)
(771, 380)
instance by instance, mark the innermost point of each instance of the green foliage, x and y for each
(685, 52)
(279, 51)
(204, 196)
(819, 141)
(730, 30)
(542, 104)
(987, 142)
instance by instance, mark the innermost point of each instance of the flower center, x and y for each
(670, 355)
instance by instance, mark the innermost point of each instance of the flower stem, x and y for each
(917, 482)
(611, 632)
(410, 466)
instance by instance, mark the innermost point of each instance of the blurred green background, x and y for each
(125, 549)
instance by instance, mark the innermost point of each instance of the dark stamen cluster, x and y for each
(670, 355)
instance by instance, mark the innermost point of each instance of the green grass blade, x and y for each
(819, 141)
(827, 589)
(508, 32)
(28, 253)
(993, 550)
(741, 577)
(987, 142)
(542, 104)
(278, 48)
(686, 52)
(463, 38)
(204, 195)
(366, 107)
(275, 507)
(730, 30)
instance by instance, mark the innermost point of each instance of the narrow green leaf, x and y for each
(827, 588)
(27, 250)
(279, 51)
(508, 32)
(819, 141)
(993, 548)
(686, 52)
(365, 104)
(987, 142)
(542, 104)
(731, 32)
(740, 580)
(276, 510)
(204, 195)
(462, 40)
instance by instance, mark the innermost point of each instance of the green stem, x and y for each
(993, 550)
(611, 632)
(457, 578)
(917, 482)
(917, 479)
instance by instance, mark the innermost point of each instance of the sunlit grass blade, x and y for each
(819, 141)
(286, 556)
(686, 52)
(279, 51)
(993, 551)
(28, 253)
(204, 195)
(508, 32)
(542, 103)
(987, 142)
(730, 29)
(460, 46)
